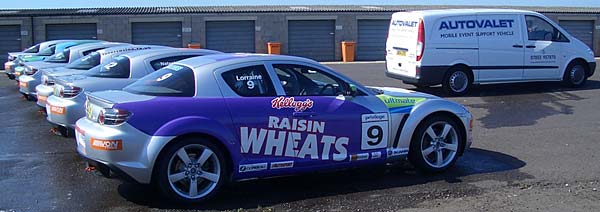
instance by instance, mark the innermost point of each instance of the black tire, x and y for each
(170, 152)
(420, 143)
(457, 81)
(575, 74)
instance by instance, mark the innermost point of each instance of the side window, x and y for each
(299, 80)
(164, 62)
(90, 51)
(540, 29)
(250, 81)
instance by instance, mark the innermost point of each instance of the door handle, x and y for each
(304, 114)
(530, 46)
(518, 46)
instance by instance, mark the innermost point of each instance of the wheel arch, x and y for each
(466, 67)
(576, 60)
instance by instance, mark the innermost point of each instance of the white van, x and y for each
(458, 48)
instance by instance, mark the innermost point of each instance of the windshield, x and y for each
(33, 49)
(86, 62)
(62, 57)
(47, 51)
(173, 80)
(118, 67)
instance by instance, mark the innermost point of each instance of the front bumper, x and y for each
(428, 75)
(27, 84)
(122, 147)
(43, 92)
(65, 112)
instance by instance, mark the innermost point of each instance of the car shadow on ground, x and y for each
(513, 89)
(268, 192)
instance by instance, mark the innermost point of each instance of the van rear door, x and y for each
(401, 45)
(501, 47)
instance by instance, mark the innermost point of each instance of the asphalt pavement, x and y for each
(535, 149)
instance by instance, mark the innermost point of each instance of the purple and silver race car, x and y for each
(205, 121)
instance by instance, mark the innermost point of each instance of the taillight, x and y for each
(30, 70)
(69, 91)
(420, 40)
(47, 81)
(111, 116)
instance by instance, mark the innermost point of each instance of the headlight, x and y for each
(590, 51)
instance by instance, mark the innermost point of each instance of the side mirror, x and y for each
(351, 91)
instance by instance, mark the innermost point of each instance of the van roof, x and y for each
(468, 11)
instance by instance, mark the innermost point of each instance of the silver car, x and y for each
(33, 77)
(12, 56)
(46, 88)
(66, 105)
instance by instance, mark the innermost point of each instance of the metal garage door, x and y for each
(230, 36)
(10, 41)
(157, 33)
(71, 31)
(372, 35)
(312, 39)
(582, 30)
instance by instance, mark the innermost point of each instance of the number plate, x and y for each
(57, 110)
(374, 131)
(401, 53)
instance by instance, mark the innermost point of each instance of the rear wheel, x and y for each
(575, 75)
(435, 144)
(457, 81)
(191, 170)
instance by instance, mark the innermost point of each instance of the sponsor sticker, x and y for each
(106, 145)
(375, 155)
(290, 102)
(391, 152)
(57, 110)
(374, 131)
(252, 167)
(42, 98)
(282, 164)
(361, 156)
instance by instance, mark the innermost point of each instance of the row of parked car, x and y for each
(191, 120)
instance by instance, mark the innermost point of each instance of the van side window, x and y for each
(540, 29)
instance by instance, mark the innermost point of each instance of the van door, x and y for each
(500, 48)
(543, 49)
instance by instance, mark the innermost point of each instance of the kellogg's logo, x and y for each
(289, 102)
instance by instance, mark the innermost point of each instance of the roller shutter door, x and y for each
(10, 41)
(71, 31)
(157, 33)
(372, 35)
(230, 36)
(312, 39)
(582, 30)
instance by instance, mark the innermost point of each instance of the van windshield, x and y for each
(118, 67)
(86, 62)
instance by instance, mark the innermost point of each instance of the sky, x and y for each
(37, 4)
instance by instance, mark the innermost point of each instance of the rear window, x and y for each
(47, 51)
(173, 80)
(118, 67)
(86, 62)
(62, 57)
(33, 49)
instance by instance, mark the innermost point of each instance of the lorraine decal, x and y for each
(290, 102)
(282, 164)
(57, 110)
(293, 138)
(252, 167)
(106, 145)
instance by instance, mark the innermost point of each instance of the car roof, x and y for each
(232, 58)
(467, 11)
(127, 49)
(87, 46)
(157, 52)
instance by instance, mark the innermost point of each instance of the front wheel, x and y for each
(575, 75)
(457, 81)
(435, 144)
(191, 170)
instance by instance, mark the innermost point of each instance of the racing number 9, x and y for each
(374, 131)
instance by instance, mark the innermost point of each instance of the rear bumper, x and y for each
(43, 92)
(428, 75)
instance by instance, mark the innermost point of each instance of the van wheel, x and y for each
(191, 170)
(575, 75)
(457, 81)
(435, 144)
